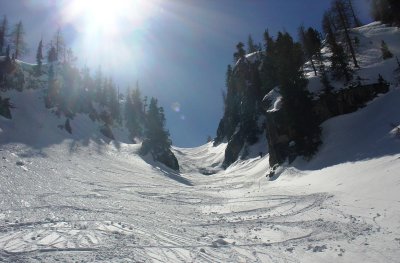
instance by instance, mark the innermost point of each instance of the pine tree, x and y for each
(52, 90)
(251, 47)
(311, 43)
(157, 137)
(240, 53)
(297, 103)
(338, 58)
(3, 34)
(19, 44)
(269, 67)
(98, 85)
(111, 101)
(59, 45)
(8, 58)
(52, 54)
(134, 112)
(386, 54)
(39, 57)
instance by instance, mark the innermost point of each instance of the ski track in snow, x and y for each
(79, 198)
(117, 208)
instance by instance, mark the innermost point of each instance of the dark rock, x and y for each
(233, 148)
(169, 159)
(106, 131)
(5, 107)
(67, 126)
(160, 154)
(347, 100)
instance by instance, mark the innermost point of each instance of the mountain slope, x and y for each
(79, 198)
(86, 200)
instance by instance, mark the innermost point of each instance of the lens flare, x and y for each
(176, 107)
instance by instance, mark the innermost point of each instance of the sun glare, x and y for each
(106, 28)
(106, 15)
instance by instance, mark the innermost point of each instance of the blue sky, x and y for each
(178, 50)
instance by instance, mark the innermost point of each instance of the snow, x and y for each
(103, 203)
(274, 100)
(369, 57)
(82, 198)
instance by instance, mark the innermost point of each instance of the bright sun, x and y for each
(107, 16)
(107, 30)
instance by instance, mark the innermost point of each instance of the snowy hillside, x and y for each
(369, 56)
(82, 198)
(34, 125)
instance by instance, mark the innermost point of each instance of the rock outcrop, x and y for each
(160, 154)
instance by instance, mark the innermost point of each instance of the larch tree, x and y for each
(341, 12)
(356, 20)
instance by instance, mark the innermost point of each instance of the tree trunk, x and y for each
(313, 66)
(357, 22)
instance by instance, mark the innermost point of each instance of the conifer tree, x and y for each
(52, 90)
(311, 43)
(338, 58)
(157, 137)
(387, 11)
(356, 21)
(385, 51)
(240, 53)
(18, 41)
(52, 54)
(3, 34)
(269, 67)
(8, 58)
(228, 75)
(297, 102)
(341, 12)
(134, 112)
(251, 47)
(59, 45)
(39, 57)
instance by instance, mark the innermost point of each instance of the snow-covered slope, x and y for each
(86, 200)
(369, 56)
(37, 126)
(80, 198)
